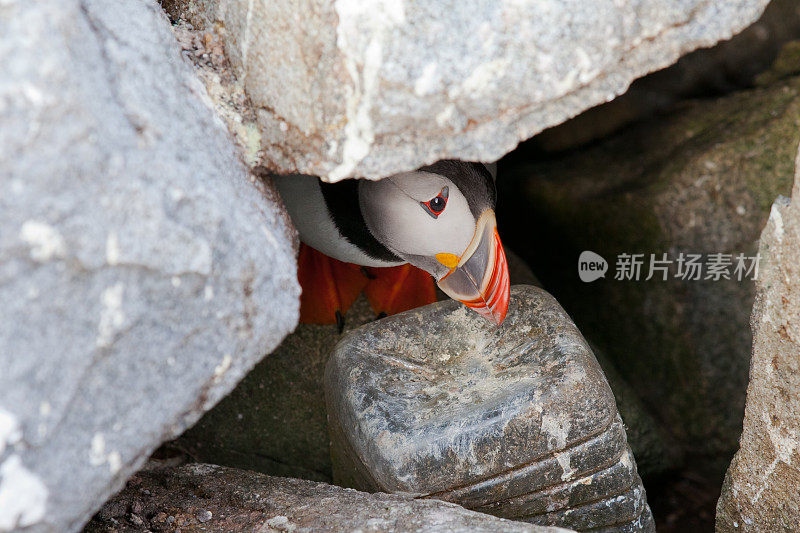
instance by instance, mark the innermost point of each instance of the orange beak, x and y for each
(480, 279)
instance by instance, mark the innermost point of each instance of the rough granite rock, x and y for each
(202, 497)
(142, 274)
(369, 89)
(699, 180)
(516, 421)
(762, 487)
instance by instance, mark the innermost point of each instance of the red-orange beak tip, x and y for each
(498, 293)
(493, 301)
(480, 279)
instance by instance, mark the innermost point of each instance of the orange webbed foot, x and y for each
(393, 290)
(329, 287)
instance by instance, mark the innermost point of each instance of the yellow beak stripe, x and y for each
(448, 260)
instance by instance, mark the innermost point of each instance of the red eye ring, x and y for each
(435, 206)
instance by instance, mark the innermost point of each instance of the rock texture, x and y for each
(201, 497)
(700, 180)
(373, 88)
(517, 421)
(762, 487)
(731, 65)
(141, 272)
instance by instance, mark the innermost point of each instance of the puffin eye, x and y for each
(436, 205)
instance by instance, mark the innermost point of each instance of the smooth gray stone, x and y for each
(142, 274)
(517, 421)
(202, 497)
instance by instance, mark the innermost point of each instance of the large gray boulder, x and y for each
(203, 497)
(141, 272)
(762, 487)
(516, 421)
(373, 88)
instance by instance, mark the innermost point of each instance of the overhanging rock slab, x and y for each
(349, 88)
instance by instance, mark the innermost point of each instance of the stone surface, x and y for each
(141, 273)
(700, 180)
(762, 487)
(375, 88)
(517, 421)
(731, 65)
(201, 497)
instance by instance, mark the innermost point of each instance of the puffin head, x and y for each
(441, 219)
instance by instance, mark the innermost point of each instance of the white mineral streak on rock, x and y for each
(444, 116)
(279, 522)
(563, 459)
(45, 241)
(777, 220)
(625, 459)
(97, 453)
(480, 81)
(23, 496)
(99, 457)
(247, 36)
(10, 432)
(428, 81)
(785, 446)
(114, 462)
(270, 237)
(557, 429)
(111, 315)
(359, 133)
(208, 293)
(223, 366)
(112, 248)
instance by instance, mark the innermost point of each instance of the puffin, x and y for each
(396, 238)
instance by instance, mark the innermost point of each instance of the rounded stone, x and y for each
(516, 421)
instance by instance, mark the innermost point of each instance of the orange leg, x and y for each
(396, 289)
(329, 287)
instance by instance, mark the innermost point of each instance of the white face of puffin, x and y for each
(418, 214)
(426, 220)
